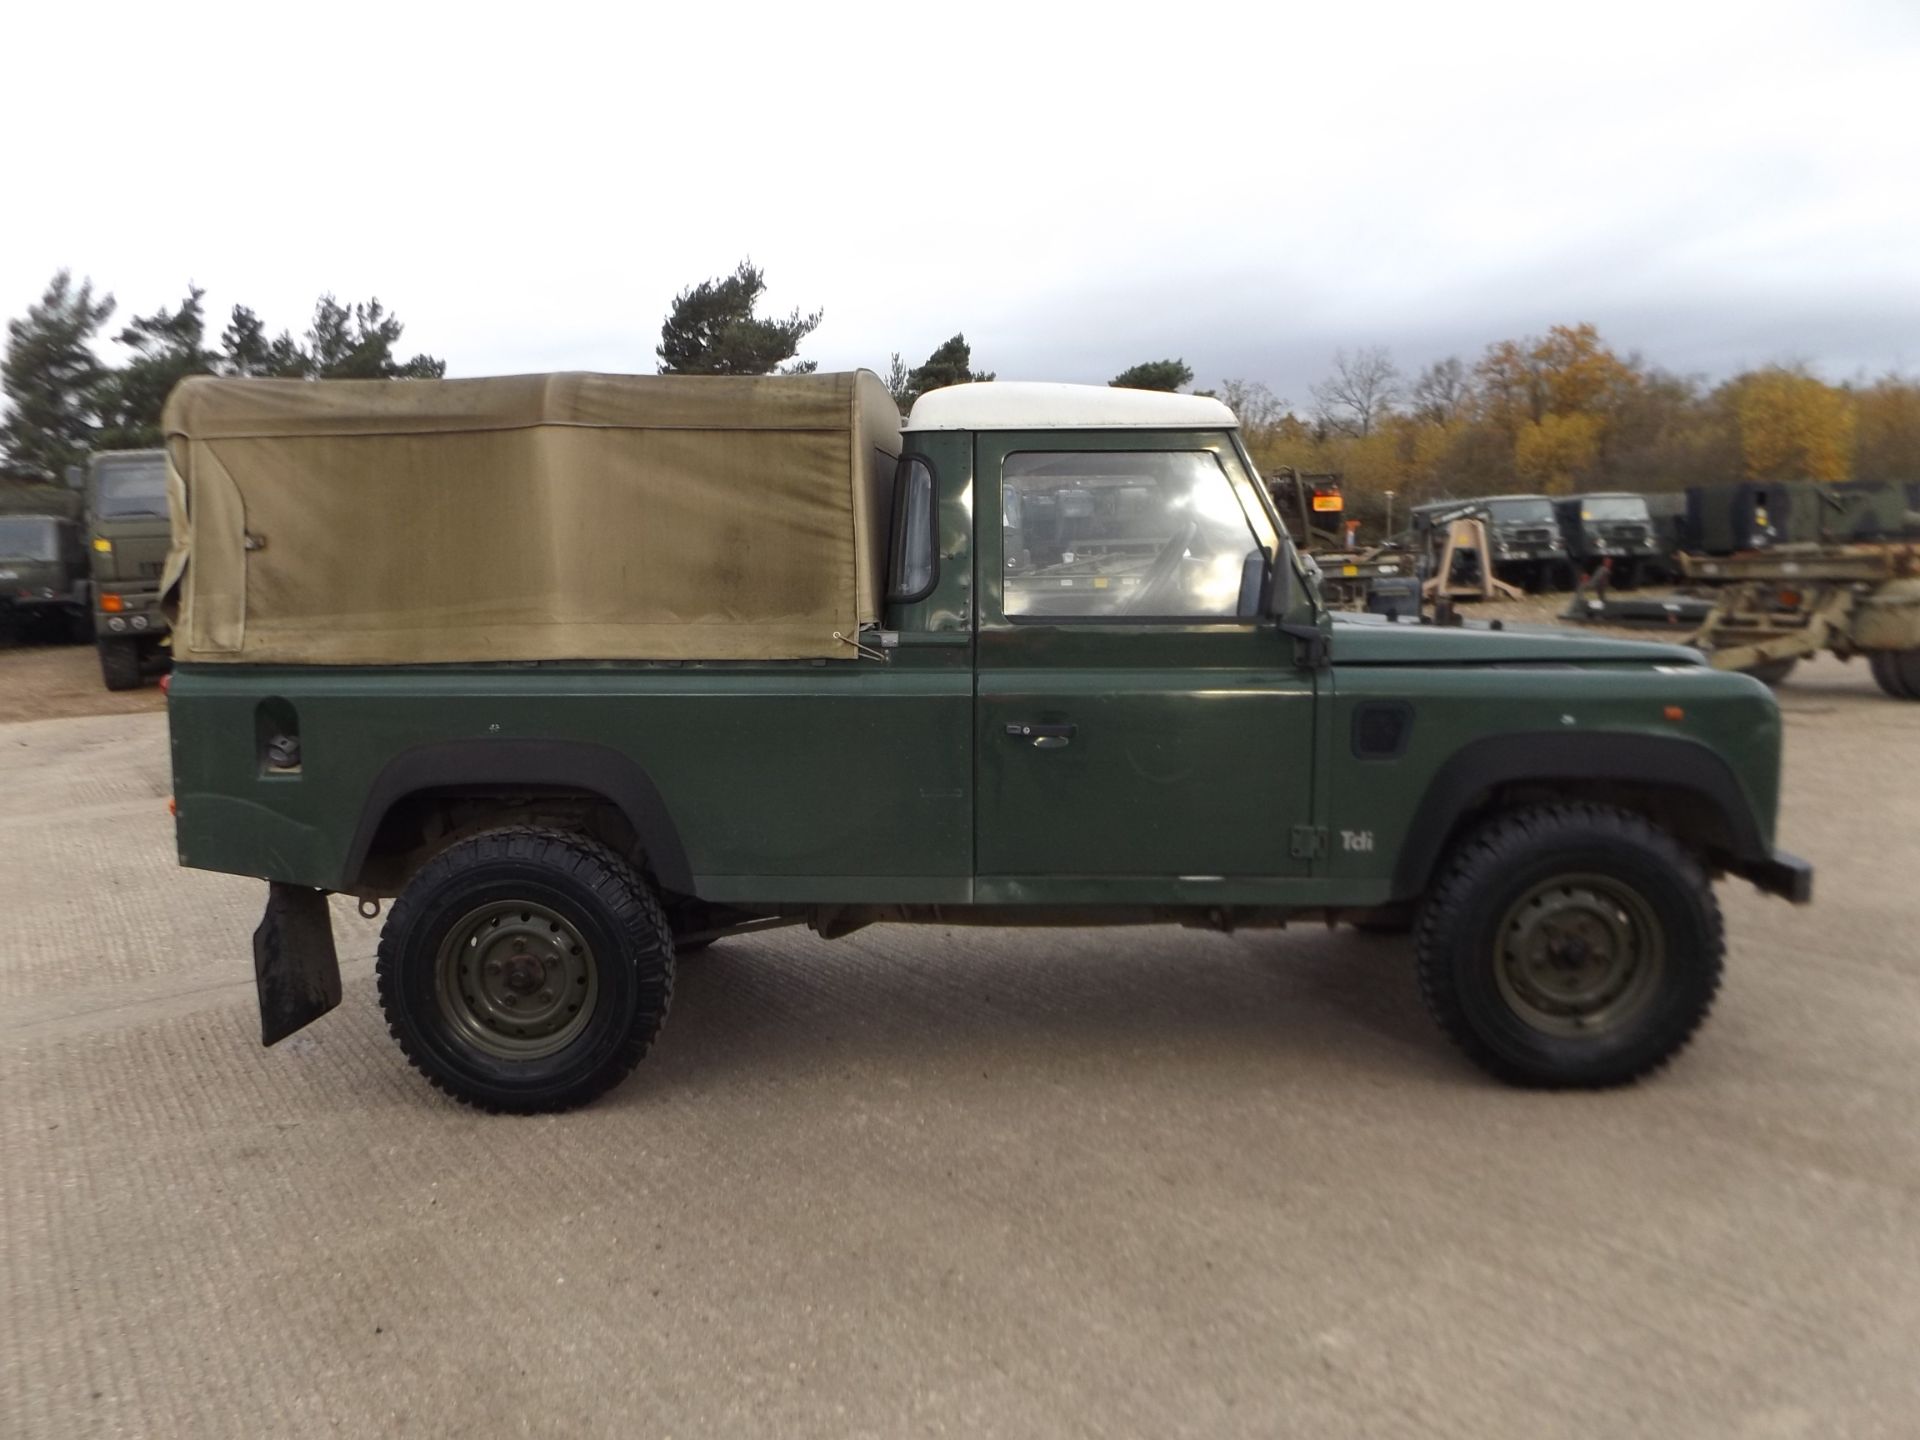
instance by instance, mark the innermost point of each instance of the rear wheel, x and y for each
(119, 663)
(525, 970)
(1570, 946)
(1897, 672)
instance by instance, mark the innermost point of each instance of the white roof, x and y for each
(1034, 405)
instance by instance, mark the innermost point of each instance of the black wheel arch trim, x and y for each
(1543, 757)
(579, 765)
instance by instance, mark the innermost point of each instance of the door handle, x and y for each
(1044, 737)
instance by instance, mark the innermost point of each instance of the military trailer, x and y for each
(1612, 529)
(1774, 608)
(585, 672)
(127, 546)
(43, 576)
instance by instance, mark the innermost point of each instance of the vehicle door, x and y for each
(1143, 731)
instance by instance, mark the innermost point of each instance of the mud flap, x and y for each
(294, 962)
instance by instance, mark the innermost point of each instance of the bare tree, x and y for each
(1259, 410)
(1360, 391)
(1443, 391)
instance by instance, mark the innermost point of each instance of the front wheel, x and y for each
(119, 663)
(526, 970)
(1571, 946)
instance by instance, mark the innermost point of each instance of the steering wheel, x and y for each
(1164, 569)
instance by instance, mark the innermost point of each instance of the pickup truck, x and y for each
(588, 672)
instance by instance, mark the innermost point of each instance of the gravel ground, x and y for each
(954, 1182)
(50, 682)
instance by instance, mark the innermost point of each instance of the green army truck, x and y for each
(1614, 530)
(587, 672)
(43, 576)
(127, 548)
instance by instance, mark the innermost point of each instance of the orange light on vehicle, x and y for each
(173, 806)
(1674, 712)
(112, 604)
(1329, 503)
(1789, 599)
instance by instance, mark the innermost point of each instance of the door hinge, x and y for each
(1309, 841)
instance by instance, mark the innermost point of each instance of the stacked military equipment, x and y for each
(1313, 509)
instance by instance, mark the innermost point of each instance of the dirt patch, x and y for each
(52, 682)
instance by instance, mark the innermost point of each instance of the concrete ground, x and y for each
(955, 1182)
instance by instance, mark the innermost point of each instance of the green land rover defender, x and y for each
(586, 672)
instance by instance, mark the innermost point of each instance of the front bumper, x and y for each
(139, 614)
(1782, 874)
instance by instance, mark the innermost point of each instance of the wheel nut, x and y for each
(511, 1000)
(493, 966)
(547, 995)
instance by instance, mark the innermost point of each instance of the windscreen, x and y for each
(1159, 534)
(125, 489)
(1613, 507)
(28, 539)
(1522, 512)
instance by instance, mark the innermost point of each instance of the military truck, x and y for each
(1612, 529)
(43, 576)
(1528, 550)
(585, 672)
(127, 546)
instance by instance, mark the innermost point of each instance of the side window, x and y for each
(1149, 535)
(914, 563)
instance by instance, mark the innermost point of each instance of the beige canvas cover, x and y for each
(527, 517)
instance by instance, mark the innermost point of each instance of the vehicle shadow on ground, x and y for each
(1054, 1002)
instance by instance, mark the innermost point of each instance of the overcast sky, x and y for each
(1715, 185)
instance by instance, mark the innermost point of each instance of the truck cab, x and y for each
(127, 549)
(43, 582)
(1098, 686)
(1613, 528)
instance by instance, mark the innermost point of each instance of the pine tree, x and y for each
(950, 364)
(712, 330)
(53, 380)
(344, 342)
(1155, 375)
(167, 346)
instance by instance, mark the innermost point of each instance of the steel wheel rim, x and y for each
(515, 980)
(1578, 953)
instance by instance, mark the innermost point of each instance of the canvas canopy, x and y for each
(529, 517)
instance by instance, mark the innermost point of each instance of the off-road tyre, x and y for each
(1462, 957)
(1897, 672)
(119, 662)
(592, 896)
(1772, 673)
